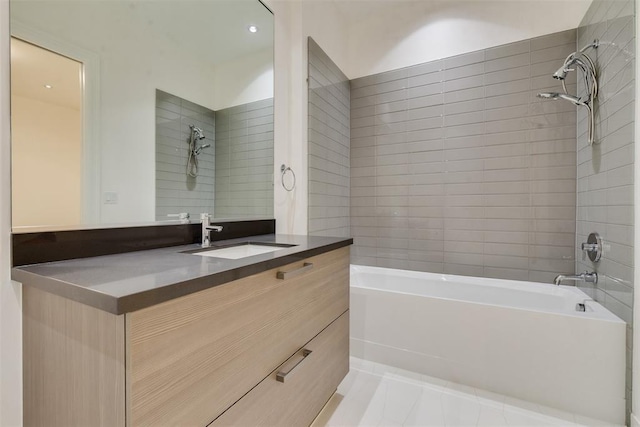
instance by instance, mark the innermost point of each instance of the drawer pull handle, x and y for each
(293, 273)
(282, 375)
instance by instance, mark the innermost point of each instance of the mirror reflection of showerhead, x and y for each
(555, 95)
(199, 149)
(192, 162)
(196, 132)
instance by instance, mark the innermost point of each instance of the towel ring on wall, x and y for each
(284, 169)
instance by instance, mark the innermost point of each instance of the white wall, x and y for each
(289, 207)
(244, 80)
(400, 34)
(10, 292)
(294, 22)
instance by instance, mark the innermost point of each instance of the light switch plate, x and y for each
(110, 198)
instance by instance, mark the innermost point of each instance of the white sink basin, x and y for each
(240, 251)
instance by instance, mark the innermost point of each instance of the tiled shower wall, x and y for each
(244, 160)
(328, 146)
(175, 191)
(605, 170)
(457, 167)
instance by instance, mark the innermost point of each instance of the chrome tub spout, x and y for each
(586, 277)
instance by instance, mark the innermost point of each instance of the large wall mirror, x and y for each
(127, 112)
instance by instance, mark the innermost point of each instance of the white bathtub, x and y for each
(520, 339)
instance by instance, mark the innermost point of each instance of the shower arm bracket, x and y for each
(595, 44)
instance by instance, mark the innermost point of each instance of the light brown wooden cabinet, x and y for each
(209, 358)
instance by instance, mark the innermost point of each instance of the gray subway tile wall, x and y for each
(175, 191)
(244, 160)
(457, 167)
(605, 170)
(329, 145)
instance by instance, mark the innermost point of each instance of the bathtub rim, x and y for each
(599, 313)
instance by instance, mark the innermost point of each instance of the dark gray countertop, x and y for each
(131, 281)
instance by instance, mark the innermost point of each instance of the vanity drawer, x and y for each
(191, 358)
(307, 386)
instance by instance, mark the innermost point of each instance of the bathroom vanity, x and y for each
(168, 337)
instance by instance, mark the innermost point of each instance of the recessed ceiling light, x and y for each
(253, 29)
(48, 86)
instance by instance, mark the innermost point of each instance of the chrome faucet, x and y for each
(207, 228)
(585, 277)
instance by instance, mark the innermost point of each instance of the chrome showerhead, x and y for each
(197, 133)
(562, 72)
(579, 61)
(555, 95)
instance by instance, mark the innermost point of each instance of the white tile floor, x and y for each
(378, 395)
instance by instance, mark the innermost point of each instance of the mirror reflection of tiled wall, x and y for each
(235, 174)
(176, 191)
(244, 160)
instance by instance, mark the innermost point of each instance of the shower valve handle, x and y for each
(593, 247)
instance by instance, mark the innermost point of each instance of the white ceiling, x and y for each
(384, 35)
(362, 9)
(356, 10)
(33, 67)
(213, 31)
